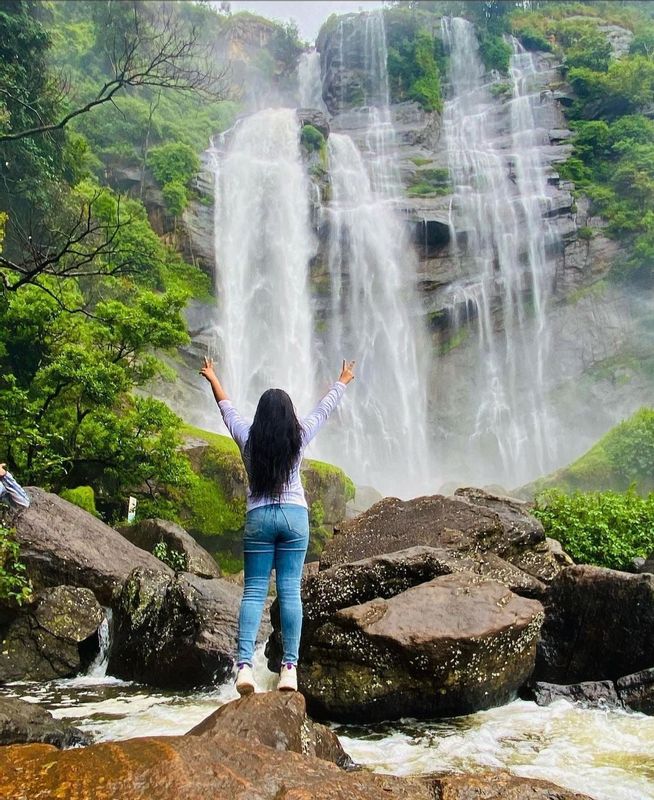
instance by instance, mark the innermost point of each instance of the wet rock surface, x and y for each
(636, 691)
(225, 756)
(498, 785)
(149, 532)
(175, 632)
(278, 720)
(599, 625)
(22, 723)
(326, 591)
(453, 645)
(61, 544)
(589, 693)
(54, 637)
(491, 524)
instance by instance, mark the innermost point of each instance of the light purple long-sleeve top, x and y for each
(12, 492)
(239, 428)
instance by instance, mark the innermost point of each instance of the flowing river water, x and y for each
(606, 754)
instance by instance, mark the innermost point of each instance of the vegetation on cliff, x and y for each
(601, 507)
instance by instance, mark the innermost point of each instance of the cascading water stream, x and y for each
(383, 436)
(263, 243)
(98, 668)
(309, 81)
(498, 219)
(373, 313)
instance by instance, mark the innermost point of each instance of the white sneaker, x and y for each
(288, 678)
(245, 680)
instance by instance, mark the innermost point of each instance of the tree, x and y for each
(145, 48)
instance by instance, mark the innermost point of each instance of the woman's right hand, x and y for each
(207, 370)
(347, 372)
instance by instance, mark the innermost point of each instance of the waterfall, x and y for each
(263, 243)
(98, 667)
(501, 234)
(372, 310)
(309, 81)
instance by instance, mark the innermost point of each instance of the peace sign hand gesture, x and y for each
(347, 372)
(207, 370)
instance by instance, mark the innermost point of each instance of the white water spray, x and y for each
(373, 308)
(309, 81)
(500, 185)
(263, 246)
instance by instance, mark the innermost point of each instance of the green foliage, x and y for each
(15, 587)
(591, 51)
(173, 558)
(175, 197)
(312, 138)
(414, 54)
(494, 52)
(229, 563)
(430, 183)
(630, 446)
(82, 496)
(608, 529)
(174, 161)
(174, 165)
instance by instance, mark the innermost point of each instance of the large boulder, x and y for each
(637, 691)
(175, 632)
(54, 637)
(599, 625)
(488, 523)
(191, 768)
(22, 722)
(278, 720)
(147, 533)
(228, 766)
(326, 591)
(453, 645)
(602, 694)
(61, 544)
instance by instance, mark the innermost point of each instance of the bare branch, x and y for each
(157, 52)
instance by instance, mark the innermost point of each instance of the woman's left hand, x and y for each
(207, 370)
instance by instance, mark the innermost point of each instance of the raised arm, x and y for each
(320, 414)
(14, 492)
(238, 427)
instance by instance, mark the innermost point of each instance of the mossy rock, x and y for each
(621, 458)
(82, 496)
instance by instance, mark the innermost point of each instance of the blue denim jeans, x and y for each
(276, 536)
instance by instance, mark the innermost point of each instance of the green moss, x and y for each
(82, 496)
(215, 504)
(312, 138)
(328, 472)
(623, 457)
(420, 162)
(457, 338)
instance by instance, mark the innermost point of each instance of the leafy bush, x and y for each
(414, 54)
(175, 197)
(532, 39)
(630, 447)
(312, 138)
(82, 496)
(174, 161)
(607, 529)
(15, 587)
(173, 558)
(494, 52)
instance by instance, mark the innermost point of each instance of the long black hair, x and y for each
(273, 445)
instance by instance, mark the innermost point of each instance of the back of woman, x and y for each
(277, 520)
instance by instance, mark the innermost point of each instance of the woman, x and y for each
(277, 520)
